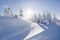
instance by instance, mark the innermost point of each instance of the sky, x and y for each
(32, 6)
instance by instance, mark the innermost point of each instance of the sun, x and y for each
(28, 13)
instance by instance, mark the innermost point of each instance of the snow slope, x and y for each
(52, 33)
(36, 30)
(17, 29)
(13, 28)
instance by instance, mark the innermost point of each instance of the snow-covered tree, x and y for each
(31, 19)
(49, 17)
(21, 13)
(39, 18)
(44, 18)
(54, 19)
(34, 18)
(7, 11)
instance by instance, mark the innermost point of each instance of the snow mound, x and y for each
(52, 33)
(13, 28)
(36, 30)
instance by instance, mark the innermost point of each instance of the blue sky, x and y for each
(38, 6)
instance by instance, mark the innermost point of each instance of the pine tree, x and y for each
(21, 13)
(35, 18)
(49, 17)
(39, 18)
(32, 18)
(54, 19)
(44, 18)
(7, 11)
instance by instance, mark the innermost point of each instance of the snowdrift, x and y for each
(13, 28)
(52, 33)
(18, 29)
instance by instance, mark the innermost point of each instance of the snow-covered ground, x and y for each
(52, 33)
(17, 29)
(36, 30)
(20, 29)
(13, 28)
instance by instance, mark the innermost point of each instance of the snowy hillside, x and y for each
(36, 30)
(29, 20)
(52, 33)
(13, 28)
(17, 29)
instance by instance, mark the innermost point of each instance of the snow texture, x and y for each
(18, 29)
(13, 28)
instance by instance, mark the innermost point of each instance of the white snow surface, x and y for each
(17, 29)
(36, 30)
(13, 28)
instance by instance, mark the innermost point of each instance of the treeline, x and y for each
(8, 12)
(46, 18)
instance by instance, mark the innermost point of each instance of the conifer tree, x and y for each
(39, 18)
(21, 13)
(44, 18)
(54, 19)
(49, 17)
